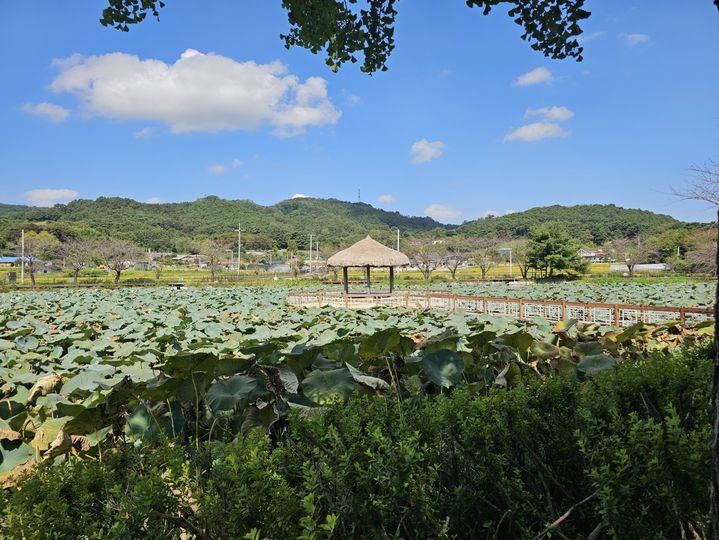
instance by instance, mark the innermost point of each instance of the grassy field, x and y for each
(198, 276)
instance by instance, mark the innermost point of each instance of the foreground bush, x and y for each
(627, 453)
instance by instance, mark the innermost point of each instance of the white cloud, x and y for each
(237, 163)
(442, 212)
(144, 133)
(199, 92)
(353, 100)
(49, 197)
(536, 131)
(536, 76)
(216, 168)
(49, 111)
(424, 151)
(154, 200)
(386, 199)
(551, 113)
(589, 37)
(300, 196)
(635, 39)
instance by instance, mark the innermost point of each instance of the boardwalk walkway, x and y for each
(523, 309)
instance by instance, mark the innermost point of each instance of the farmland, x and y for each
(83, 368)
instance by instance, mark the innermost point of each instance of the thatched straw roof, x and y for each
(368, 252)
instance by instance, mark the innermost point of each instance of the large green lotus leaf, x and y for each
(184, 363)
(520, 340)
(26, 343)
(16, 403)
(589, 348)
(372, 382)
(480, 340)
(192, 387)
(226, 394)
(88, 380)
(301, 355)
(447, 339)
(341, 350)
(12, 455)
(544, 350)
(289, 380)
(564, 365)
(381, 343)
(443, 367)
(591, 365)
(322, 362)
(629, 332)
(327, 386)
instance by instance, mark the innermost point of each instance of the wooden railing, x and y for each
(518, 308)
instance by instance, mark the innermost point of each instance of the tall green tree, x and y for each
(353, 31)
(552, 249)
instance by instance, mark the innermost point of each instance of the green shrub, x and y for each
(633, 444)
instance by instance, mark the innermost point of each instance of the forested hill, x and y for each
(587, 222)
(178, 226)
(8, 209)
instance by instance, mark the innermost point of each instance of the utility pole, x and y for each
(22, 257)
(311, 253)
(239, 246)
(398, 239)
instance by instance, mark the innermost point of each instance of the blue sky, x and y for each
(468, 120)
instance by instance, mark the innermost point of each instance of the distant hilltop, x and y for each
(177, 226)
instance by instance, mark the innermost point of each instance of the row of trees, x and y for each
(75, 255)
(550, 250)
(115, 255)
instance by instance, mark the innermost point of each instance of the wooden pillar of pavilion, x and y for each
(345, 278)
(391, 279)
(369, 281)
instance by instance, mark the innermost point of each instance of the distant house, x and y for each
(592, 255)
(186, 259)
(160, 255)
(6, 262)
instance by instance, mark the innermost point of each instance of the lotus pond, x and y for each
(82, 370)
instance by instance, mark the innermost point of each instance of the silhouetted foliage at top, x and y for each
(350, 31)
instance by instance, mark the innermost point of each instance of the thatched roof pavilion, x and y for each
(368, 253)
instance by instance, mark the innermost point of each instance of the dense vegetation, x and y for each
(180, 226)
(594, 223)
(624, 454)
(86, 369)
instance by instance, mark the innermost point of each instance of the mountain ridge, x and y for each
(179, 225)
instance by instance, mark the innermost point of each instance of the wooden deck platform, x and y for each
(522, 309)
